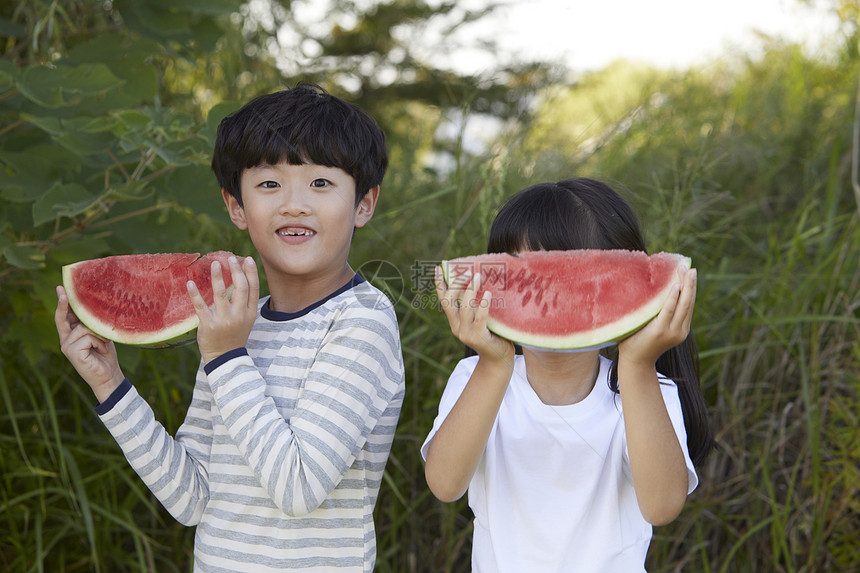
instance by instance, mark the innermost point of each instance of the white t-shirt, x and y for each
(553, 490)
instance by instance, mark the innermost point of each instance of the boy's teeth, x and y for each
(295, 232)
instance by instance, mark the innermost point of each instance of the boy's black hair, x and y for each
(304, 124)
(584, 213)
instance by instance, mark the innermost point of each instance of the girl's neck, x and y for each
(561, 378)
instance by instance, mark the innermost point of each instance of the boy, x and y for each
(280, 457)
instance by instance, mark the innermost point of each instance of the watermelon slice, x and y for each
(571, 300)
(141, 300)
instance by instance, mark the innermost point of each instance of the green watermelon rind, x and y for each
(606, 335)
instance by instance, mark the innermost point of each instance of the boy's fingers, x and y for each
(253, 283)
(196, 299)
(81, 338)
(88, 339)
(240, 283)
(61, 314)
(64, 317)
(219, 290)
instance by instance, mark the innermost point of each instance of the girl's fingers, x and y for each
(439, 282)
(686, 301)
(482, 311)
(442, 292)
(469, 301)
(663, 320)
(676, 315)
(449, 294)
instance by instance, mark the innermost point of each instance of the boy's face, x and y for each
(301, 220)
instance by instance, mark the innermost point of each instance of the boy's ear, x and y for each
(236, 212)
(365, 208)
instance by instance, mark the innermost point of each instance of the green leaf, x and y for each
(115, 48)
(42, 85)
(182, 152)
(147, 233)
(47, 124)
(130, 190)
(195, 187)
(128, 58)
(91, 124)
(8, 73)
(78, 248)
(24, 257)
(58, 86)
(17, 217)
(80, 135)
(90, 79)
(25, 176)
(84, 143)
(62, 200)
(218, 112)
(134, 120)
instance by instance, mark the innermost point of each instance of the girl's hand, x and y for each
(227, 324)
(467, 316)
(666, 330)
(92, 356)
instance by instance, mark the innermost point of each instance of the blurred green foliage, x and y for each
(107, 114)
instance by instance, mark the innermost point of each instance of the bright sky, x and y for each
(588, 34)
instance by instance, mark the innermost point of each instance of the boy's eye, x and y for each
(320, 183)
(269, 185)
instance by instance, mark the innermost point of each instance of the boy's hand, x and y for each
(468, 316)
(666, 330)
(92, 356)
(227, 323)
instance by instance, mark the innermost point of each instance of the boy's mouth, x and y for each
(296, 232)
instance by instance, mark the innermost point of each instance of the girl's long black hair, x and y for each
(584, 213)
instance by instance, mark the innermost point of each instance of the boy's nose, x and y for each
(294, 201)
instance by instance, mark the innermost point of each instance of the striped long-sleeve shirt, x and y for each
(279, 460)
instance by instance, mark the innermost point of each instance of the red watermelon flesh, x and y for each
(142, 299)
(567, 300)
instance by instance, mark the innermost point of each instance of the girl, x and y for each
(569, 458)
